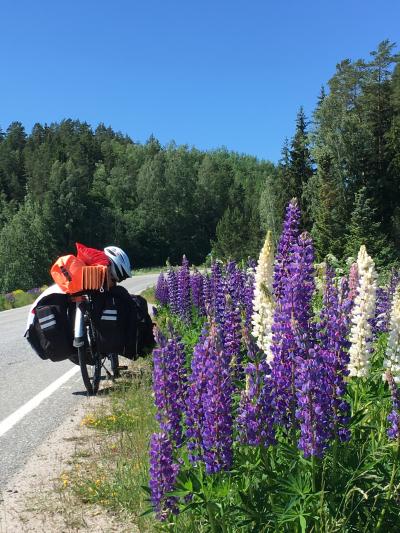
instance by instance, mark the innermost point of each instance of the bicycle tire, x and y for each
(114, 362)
(90, 362)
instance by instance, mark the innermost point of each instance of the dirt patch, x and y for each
(37, 499)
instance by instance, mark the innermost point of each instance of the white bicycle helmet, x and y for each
(120, 265)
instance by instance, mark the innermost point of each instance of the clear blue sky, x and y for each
(205, 73)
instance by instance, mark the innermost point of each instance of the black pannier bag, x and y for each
(50, 335)
(125, 327)
(110, 315)
(140, 338)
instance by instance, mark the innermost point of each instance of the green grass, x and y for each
(114, 476)
(149, 294)
(148, 270)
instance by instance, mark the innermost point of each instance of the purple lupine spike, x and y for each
(184, 302)
(248, 298)
(232, 335)
(172, 281)
(197, 383)
(394, 416)
(197, 289)
(217, 286)
(353, 281)
(163, 475)
(235, 283)
(255, 421)
(161, 292)
(322, 410)
(207, 294)
(380, 322)
(292, 328)
(287, 240)
(216, 431)
(169, 384)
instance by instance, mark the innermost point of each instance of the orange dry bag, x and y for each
(67, 272)
(72, 275)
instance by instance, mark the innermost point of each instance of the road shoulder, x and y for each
(34, 499)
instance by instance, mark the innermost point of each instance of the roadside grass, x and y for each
(149, 294)
(114, 475)
(148, 270)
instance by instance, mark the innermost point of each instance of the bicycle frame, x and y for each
(79, 323)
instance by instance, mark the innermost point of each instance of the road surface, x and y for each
(32, 400)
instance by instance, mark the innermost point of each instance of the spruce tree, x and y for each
(366, 229)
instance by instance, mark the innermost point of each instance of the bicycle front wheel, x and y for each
(90, 364)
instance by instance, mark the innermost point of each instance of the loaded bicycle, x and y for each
(91, 361)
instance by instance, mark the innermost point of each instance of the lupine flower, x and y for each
(322, 410)
(362, 312)
(197, 383)
(288, 238)
(161, 292)
(163, 474)
(394, 417)
(263, 298)
(379, 323)
(293, 335)
(353, 281)
(207, 294)
(392, 358)
(235, 283)
(208, 406)
(184, 302)
(255, 417)
(232, 334)
(197, 290)
(169, 384)
(217, 287)
(249, 298)
(172, 280)
(216, 432)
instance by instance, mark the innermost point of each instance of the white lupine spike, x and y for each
(263, 298)
(392, 359)
(363, 311)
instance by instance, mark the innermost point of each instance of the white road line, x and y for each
(17, 415)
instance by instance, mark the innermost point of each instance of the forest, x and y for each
(67, 182)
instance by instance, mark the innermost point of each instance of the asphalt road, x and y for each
(23, 376)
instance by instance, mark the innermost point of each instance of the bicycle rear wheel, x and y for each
(114, 363)
(90, 362)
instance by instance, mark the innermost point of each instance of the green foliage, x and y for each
(353, 488)
(26, 249)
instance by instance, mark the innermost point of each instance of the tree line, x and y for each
(68, 182)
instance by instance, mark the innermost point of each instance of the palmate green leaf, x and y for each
(303, 524)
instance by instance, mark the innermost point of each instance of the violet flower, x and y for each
(172, 281)
(255, 416)
(161, 292)
(287, 239)
(184, 302)
(216, 432)
(197, 291)
(217, 286)
(394, 416)
(163, 475)
(169, 384)
(292, 329)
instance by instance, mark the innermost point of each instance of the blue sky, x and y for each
(208, 74)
